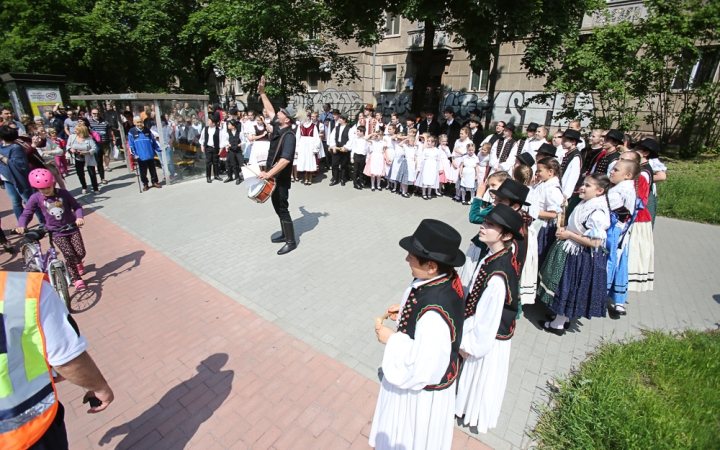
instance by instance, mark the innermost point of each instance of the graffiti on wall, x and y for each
(389, 103)
(347, 101)
(508, 106)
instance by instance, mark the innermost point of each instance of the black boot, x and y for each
(342, 177)
(216, 168)
(289, 232)
(229, 178)
(280, 238)
(335, 177)
(208, 169)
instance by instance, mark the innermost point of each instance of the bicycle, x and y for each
(36, 261)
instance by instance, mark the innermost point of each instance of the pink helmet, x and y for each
(41, 178)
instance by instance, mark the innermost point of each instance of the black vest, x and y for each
(234, 141)
(444, 296)
(340, 141)
(604, 163)
(566, 162)
(503, 154)
(504, 264)
(521, 145)
(494, 138)
(647, 168)
(216, 138)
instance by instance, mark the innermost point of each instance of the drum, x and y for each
(262, 191)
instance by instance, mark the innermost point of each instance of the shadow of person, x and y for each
(307, 222)
(180, 401)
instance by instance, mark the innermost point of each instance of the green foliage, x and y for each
(691, 190)
(661, 392)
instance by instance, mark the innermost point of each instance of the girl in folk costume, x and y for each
(260, 144)
(458, 153)
(315, 119)
(469, 170)
(523, 174)
(649, 150)
(407, 150)
(306, 150)
(379, 123)
(573, 280)
(609, 154)
(416, 403)
(448, 169)
(641, 258)
(571, 169)
(550, 200)
(501, 154)
(429, 167)
(623, 210)
(484, 162)
(390, 139)
(377, 160)
(490, 311)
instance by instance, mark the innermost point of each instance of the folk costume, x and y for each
(571, 170)
(416, 403)
(491, 309)
(429, 168)
(641, 255)
(501, 153)
(308, 147)
(573, 278)
(458, 153)
(260, 147)
(376, 162)
(624, 206)
(550, 198)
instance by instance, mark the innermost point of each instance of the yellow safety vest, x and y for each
(28, 399)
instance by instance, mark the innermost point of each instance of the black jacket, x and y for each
(452, 131)
(433, 128)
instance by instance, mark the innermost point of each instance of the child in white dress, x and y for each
(550, 200)
(430, 167)
(377, 159)
(450, 173)
(410, 146)
(469, 170)
(459, 151)
(390, 145)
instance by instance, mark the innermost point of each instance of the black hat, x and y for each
(547, 149)
(532, 126)
(651, 145)
(233, 111)
(475, 119)
(449, 109)
(527, 159)
(436, 241)
(512, 190)
(510, 126)
(336, 111)
(572, 134)
(504, 215)
(344, 116)
(615, 135)
(476, 111)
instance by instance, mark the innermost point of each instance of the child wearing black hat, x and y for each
(490, 311)
(571, 169)
(501, 155)
(573, 279)
(416, 403)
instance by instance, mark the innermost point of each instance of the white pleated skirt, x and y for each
(413, 420)
(481, 387)
(529, 276)
(641, 257)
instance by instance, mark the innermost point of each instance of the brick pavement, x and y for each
(191, 368)
(349, 267)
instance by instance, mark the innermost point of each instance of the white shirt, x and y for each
(571, 176)
(509, 163)
(358, 146)
(62, 343)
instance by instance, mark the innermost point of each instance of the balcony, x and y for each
(617, 11)
(442, 40)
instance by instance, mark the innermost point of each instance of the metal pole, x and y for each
(123, 140)
(159, 125)
(373, 70)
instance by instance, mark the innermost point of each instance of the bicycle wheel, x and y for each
(29, 255)
(60, 283)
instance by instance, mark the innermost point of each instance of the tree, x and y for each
(283, 40)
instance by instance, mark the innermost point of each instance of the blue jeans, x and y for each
(17, 198)
(169, 157)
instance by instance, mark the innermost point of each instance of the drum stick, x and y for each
(379, 319)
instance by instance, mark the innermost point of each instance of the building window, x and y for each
(704, 70)
(478, 79)
(392, 25)
(389, 78)
(312, 82)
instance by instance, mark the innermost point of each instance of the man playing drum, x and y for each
(280, 158)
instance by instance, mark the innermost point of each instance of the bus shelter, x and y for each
(176, 121)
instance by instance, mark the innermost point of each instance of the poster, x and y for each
(43, 99)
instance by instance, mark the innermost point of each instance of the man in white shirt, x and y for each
(358, 153)
(213, 139)
(498, 134)
(341, 154)
(330, 138)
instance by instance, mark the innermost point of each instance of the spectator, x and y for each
(83, 147)
(102, 127)
(7, 117)
(14, 169)
(143, 147)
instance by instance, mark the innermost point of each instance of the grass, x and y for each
(660, 392)
(692, 190)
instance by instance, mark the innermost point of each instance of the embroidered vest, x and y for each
(507, 146)
(604, 163)
(504, 264)
(309, 131)
(566, 162)
(521, 144)
(445, 297)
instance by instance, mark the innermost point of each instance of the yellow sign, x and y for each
(42, 100)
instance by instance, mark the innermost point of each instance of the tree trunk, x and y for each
(493, 78)
(422, 74)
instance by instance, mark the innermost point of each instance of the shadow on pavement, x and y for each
(176, 417)
(307, 222)
(716, 297)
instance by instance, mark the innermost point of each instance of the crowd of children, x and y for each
(576, 249)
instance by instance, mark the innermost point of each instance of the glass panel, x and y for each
(474, 81)
(484, 80)
(182, 130)
(389, 76)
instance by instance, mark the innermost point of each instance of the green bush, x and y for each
(660, 392)
(691, 191)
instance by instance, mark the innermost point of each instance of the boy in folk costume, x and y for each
(416, 403)
(501, 154)
(490, 312)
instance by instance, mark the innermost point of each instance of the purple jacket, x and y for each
(56, 216)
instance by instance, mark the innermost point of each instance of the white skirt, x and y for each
(529, 276)
(259, 153)
(452, 173)
(641, 257)
(429, 174)
(472, 256)
(412, 170)
(306, 150)
(481, 387)
(388, 167)
(413, 420)
(377, 164)
(395, 168)
(468, 178)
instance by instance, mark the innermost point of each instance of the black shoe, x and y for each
(281, 237)
(208, 171)
(550, 329)
(289, 232)
(357, 187)
(216, 171)
(229, 179)
(335, 178)
(238, 181)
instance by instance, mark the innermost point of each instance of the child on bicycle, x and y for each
(59, 209)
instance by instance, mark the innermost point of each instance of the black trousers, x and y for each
(103, 149)
(55, 438)
(280, 202)
(341, 161)
(358, 167)
(146, 166)
(211, 155)
(80, 170)
(234, 162)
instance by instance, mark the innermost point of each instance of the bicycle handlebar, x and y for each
(35, 234)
